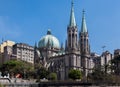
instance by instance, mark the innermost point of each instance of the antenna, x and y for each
(72, 2)
(103, 47)
(2, 39)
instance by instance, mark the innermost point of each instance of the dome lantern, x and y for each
(49, 32)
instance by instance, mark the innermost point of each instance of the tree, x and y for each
(97, 75)
(74, 74)
(1, 85)
(42, 73)
(115, 65)
(52, 76)
(14, 67)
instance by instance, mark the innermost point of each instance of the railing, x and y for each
(21, 85)
(60, 84)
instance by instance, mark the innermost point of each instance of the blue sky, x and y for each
(28, 20)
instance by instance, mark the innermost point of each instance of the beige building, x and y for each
(6, 43)
(7, 55)
(2, 45)
(19, 51)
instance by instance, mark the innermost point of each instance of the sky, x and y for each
(27, 21)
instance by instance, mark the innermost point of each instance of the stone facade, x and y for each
(76, 54)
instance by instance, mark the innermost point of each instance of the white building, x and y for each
(105, 61)
(116, 52)
(94, 61)
(24, 52)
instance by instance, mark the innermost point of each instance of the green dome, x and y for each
(50, 40)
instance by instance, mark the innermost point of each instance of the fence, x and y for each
(59, 84)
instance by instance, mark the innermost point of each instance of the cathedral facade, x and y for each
(75, 54)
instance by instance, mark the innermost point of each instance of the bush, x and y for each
(74, 74)
(52, 76)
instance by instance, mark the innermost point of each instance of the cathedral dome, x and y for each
(49, 41)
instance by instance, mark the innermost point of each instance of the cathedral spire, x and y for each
(83, 26)
(72, 16)
(35, 46)
(72, 32)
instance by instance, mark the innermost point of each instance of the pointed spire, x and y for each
(35, 46)
(72, 16)
(83, 26)
(62, 46)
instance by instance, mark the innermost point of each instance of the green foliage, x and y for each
(27, 70)
(14, 67)
(1, 85)
(42, 73)
(52, 76)
(97, 75)
(100, 76)
(75, 74)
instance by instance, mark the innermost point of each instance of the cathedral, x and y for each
(75, 54)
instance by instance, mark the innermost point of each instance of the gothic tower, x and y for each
(72, 32)
(84, 45)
